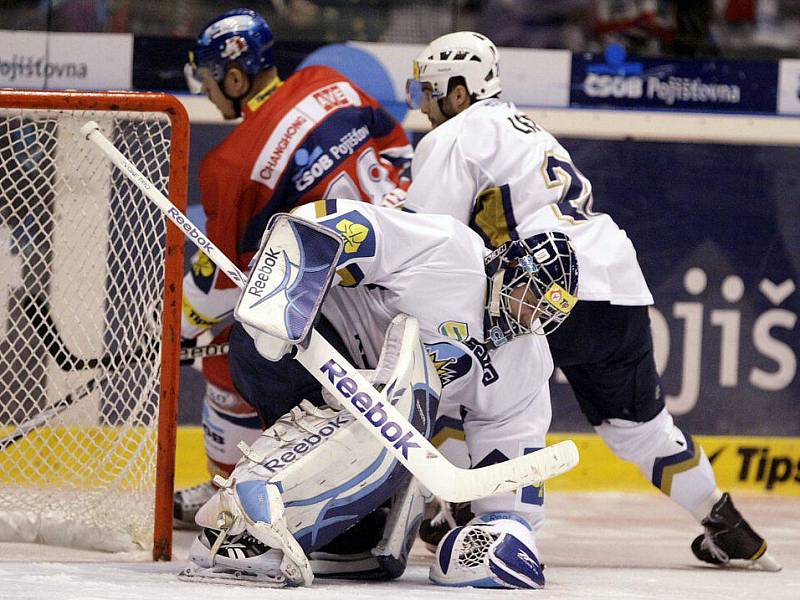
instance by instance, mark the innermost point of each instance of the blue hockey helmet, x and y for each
(239, 36)
(533, 286)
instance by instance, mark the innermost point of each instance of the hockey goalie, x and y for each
(420, 308)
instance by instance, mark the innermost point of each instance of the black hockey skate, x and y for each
(186, 503)
(729, 537)
(441, 517)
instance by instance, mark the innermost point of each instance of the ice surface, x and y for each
(600, 546)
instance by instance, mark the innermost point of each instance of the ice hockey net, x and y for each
(89, 321)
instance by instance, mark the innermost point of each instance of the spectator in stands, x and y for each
(537, 24)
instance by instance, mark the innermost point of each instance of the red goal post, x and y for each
(88, 400)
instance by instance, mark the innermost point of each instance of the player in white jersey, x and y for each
(475, 310)
(493, 168)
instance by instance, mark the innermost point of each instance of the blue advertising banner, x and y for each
(717, 232)
(614, 80)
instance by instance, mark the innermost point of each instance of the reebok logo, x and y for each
(191, 231)
(523, 556)
(259, 279)
(307, 443)
(375, 412)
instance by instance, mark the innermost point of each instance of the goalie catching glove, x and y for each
(494, 550)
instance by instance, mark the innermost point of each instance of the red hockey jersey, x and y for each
(316, 135)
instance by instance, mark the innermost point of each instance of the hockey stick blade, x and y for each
(38, 312)
(411, 448)
(26, 427)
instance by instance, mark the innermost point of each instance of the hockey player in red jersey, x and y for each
(315, 135)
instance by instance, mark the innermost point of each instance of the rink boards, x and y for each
(709, 201)
(769, 466)
(765, 465)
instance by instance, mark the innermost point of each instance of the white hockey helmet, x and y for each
(464, 53)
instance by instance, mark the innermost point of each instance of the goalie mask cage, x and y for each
(90, 292)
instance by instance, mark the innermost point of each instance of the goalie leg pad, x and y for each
(238, 517)
(388, 558)
(495, 550)
(249, 509)
(329, 469)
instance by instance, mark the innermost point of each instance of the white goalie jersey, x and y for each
(496, 170)
(431, 267)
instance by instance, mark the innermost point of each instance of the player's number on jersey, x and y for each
(372, 175)
(575, 202)
(523, 123)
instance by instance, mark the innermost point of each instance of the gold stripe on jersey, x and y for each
(447, 433)
(323, 208)
(347, 278)
(671, 471)
(492, 217)
(351, 275)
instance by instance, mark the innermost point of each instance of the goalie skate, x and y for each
(440, 517)
(239, 560)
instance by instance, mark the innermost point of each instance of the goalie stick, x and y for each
(37, 311)
(417, 454)
(43, 417)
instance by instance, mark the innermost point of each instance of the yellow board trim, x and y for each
(600, 470)
(79, 457)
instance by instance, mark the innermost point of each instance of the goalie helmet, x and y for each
(465, 53)
(241, 36)
(533, 285)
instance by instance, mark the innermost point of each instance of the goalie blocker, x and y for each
(288, 280)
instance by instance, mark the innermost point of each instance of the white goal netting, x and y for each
(82, 277)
